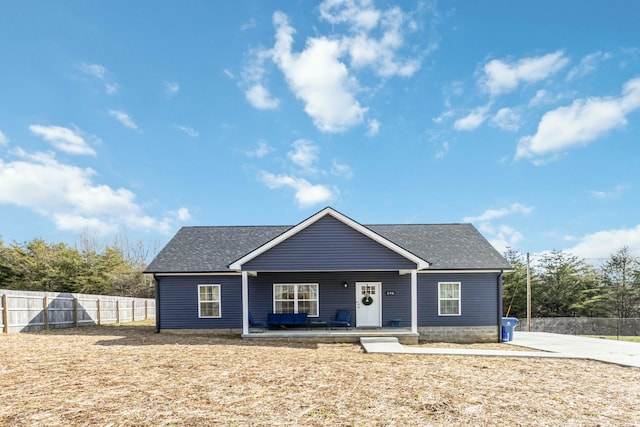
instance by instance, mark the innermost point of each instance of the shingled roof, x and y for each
(212, 249)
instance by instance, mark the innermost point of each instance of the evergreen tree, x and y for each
(621, 278)
(87, 268)
(563, 285)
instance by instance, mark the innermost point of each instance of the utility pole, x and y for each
(528, 293)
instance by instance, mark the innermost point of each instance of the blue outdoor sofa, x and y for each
(283, 320)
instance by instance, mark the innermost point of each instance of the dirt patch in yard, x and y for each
(128, 375)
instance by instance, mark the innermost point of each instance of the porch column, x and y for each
(414, 301)
(245, 303)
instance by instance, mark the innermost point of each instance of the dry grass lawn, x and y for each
(128, 375)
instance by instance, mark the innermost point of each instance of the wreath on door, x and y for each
(367, 300)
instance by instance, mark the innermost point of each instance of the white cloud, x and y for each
(228, 73)
(262, 150)
(123, 118)
(63, 139)
(171, 88)
(602, 244)
(363, 18)
(182, 214)
(304, 155)
(340, 169)
(323, 74)
(542, 96)
(67, 195)
(100, 72)
(361, 14)
(260, 98)
(95, 70)
(374, 127)
(501, 236)
(611, 194)
(473, 120)
(507, 119)
(111, 88)
(580, 123)
(248, 25)
(442, 117)
(587, 65)
(303, 160)
(318, 78)
(502, 76)
(3, 139)
(189, 131)
(505, 237)
(491, 214)
(306, 194)
(443, 150)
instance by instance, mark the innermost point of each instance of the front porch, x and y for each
(404, 336)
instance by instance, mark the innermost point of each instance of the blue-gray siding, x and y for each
(178, 301)
(178, 297)
(328, 244)
(479, 299)
(332, 293)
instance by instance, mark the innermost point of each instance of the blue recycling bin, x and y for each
(508, 326)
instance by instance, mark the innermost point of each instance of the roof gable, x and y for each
(328, 245)
(421, 263)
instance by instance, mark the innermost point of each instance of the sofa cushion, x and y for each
(290, 319)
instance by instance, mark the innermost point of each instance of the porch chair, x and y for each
(343, 317)
(254, 324)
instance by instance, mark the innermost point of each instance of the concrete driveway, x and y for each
(549, 345)
(619, 352)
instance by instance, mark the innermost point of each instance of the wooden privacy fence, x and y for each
(24, 311)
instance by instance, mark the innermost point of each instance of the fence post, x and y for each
(118, 311)
(98, 307)
(45, 312)
(75, 312)
(5, 314)
(133, 310)
(146, 309)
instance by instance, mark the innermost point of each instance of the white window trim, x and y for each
(219, 302)
(295, 298)
(459, 299)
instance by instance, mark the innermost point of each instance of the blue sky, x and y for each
(137, 118)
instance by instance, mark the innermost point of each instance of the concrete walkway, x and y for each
(549, 346)
(623, 353)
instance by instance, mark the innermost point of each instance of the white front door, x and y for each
(368, 304)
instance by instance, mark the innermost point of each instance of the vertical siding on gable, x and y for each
(479, 299)
(179, 302)
(329, 244)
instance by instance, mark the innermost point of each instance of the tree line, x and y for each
(87, 267)
(563, 285)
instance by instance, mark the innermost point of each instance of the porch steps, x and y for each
(381, 345)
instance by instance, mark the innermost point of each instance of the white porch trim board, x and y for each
(245, 302)
(414, 301)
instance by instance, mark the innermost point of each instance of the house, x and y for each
(442, 281)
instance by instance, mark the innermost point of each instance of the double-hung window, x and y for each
(449, 299)
(209, 301)
(296, 298)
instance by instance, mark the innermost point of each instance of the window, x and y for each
(209, 301)
(296, 298)
(449, 299)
